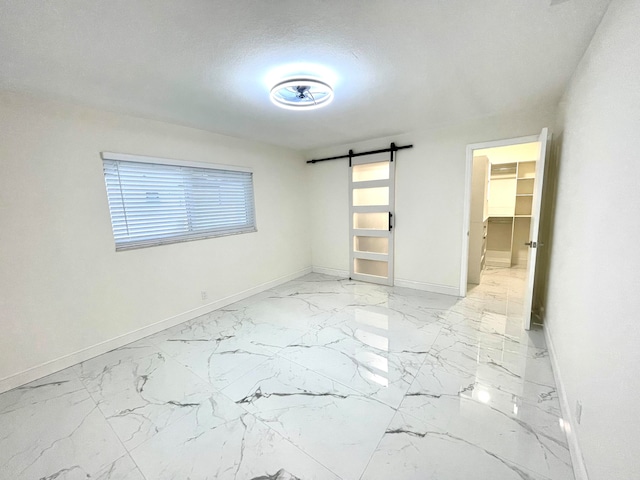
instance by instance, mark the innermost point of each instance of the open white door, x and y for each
(371, 205)
(533, 242)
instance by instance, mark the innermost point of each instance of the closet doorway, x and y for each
(502, 216)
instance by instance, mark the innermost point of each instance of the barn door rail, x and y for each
(392, 148)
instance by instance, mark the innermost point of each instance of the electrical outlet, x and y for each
(204, 295)
(578, 412)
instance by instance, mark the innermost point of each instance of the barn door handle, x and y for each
(390, 221)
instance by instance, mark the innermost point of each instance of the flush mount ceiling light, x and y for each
(301, 93)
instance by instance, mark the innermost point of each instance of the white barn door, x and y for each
(371, 217)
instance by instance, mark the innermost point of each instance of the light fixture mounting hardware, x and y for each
(301, 93)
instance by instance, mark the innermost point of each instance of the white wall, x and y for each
(593, 308)
(430, 183)
(63, 288)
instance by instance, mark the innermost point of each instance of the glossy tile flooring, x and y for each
(320, 378)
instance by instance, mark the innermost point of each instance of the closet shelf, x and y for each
(510, 207)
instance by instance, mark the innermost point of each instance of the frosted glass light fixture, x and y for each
(301, 94)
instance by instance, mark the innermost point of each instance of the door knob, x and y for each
(533, 244)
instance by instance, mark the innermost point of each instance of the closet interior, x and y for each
(501, 201)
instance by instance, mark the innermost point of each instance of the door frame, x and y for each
(466, 217)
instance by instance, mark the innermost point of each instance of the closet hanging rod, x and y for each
(392, 148)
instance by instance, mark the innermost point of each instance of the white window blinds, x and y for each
(154, 202)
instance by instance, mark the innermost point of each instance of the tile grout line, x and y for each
(106, 420)
(397, 410)
(438, 428)
(284, 438)
(247, 412)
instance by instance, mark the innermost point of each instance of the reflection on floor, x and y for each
(320, 378)
(502, 290)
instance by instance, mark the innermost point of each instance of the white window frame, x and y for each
(184, 237)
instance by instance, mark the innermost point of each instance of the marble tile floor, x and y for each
(319, 378)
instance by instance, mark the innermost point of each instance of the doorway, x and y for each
(502, 218)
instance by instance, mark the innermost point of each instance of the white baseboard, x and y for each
(398, 282)
(428, 287)
(66, 361)
(579, 467)
(331, 271)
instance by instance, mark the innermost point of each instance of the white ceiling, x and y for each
(399, 65)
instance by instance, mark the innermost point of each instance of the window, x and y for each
(155, 201)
